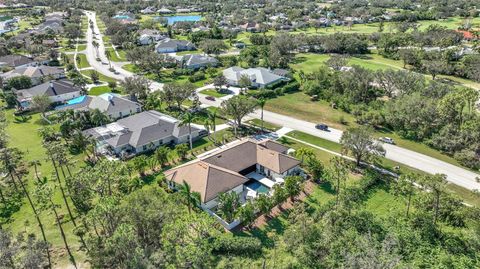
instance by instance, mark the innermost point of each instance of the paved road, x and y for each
(455, 174)
(91, 52)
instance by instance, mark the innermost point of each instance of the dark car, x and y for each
(211, 98)
(322, 127)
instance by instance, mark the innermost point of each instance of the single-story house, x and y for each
(36, 73)
(246, 167)
(148, 10)
(197, 61)
(164, 10)
(16, 61)
(250, 27)
(168, 45)
(259, 76)
(148, 36)
(57, 91)
(141, 132)
(112, 105)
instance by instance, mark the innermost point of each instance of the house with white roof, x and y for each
(169, 45)
(259, 76)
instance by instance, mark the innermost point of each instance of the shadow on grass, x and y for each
(299, 60)
(363, 57)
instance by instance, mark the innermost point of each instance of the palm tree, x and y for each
(304, 153)
(261, 104)
(187, 119)
(35, 164)
(108, 54)
(212, 118)
(190, 198)
(96, 45)
(228, 202)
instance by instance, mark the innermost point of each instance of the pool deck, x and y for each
(261, 178)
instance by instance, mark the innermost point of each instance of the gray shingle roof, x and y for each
(15, 60)
(50, 88)
(112, 103)
(197, 59)
(34, 71)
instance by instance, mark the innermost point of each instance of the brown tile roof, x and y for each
(207, 179)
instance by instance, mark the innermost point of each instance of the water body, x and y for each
(173, 19)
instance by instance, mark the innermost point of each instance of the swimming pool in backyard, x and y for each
(173, 19)
(74, 101)
(257, 186)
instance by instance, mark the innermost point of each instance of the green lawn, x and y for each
(267, 125)
(103, 78)
(114, 57)
(25, 137)
(99, 90)
(130, 67)
(213, 92)
(82, 61)
(466, 195)
(189, 52)
(82, 47)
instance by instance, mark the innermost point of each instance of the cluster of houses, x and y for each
(166, 11)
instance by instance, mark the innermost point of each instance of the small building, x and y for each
(165, 11)
(58, 91)
(16, 61)
(168, 45)
(148, 10)
(197, 61)
(140, 133)
(36, 73)
(111, 104)
(259, 76)
(149, 36)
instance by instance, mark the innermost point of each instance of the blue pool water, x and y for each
(173, 19)
(257, 186)
(77, 100)
(122, 17)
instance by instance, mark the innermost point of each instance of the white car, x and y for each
(387, 140)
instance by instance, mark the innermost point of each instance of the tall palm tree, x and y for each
(96, 45)
(261, 104)
(187, 120)
(304, 153)
(190, 198)
(35, 164)
(212, 118)
(108, 54)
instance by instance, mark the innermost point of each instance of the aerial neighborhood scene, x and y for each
(239, 134)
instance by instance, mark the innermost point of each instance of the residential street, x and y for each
(97, 65)
(455, 174)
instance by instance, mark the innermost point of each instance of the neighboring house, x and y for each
(247, 167)
(250, 27)
(141, 132)
(164, 10)
(57, 91)
(16, 61)
(52, 43)
(259, 76)
(36, 73)
(112, 105)
(52, 25)
(148, 10)
(149, 36)
(168, 45)
(197, 61)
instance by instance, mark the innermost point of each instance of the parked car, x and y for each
(387, 140)
(211, 98)
(322, 127)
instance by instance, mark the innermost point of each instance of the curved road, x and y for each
(455, 174)
(91, 53)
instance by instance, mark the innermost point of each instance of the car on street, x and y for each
(387, 140)
(211, 98)
(322, 127)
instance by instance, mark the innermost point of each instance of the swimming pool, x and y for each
(257, 186)
(173, 19)
(122, 17)
(76, 100)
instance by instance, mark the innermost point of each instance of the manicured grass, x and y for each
(99, 90)
(24, 136)
(130, 67)
(462, 193)
(102, 76)
(189, 52)
(82, 61)
(114, 57)
(267, 125)
(299, 106)
(213, 92)
(82, 47)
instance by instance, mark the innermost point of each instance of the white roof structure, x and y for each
(259, 75)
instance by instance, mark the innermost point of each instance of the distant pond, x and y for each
(173, 19)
